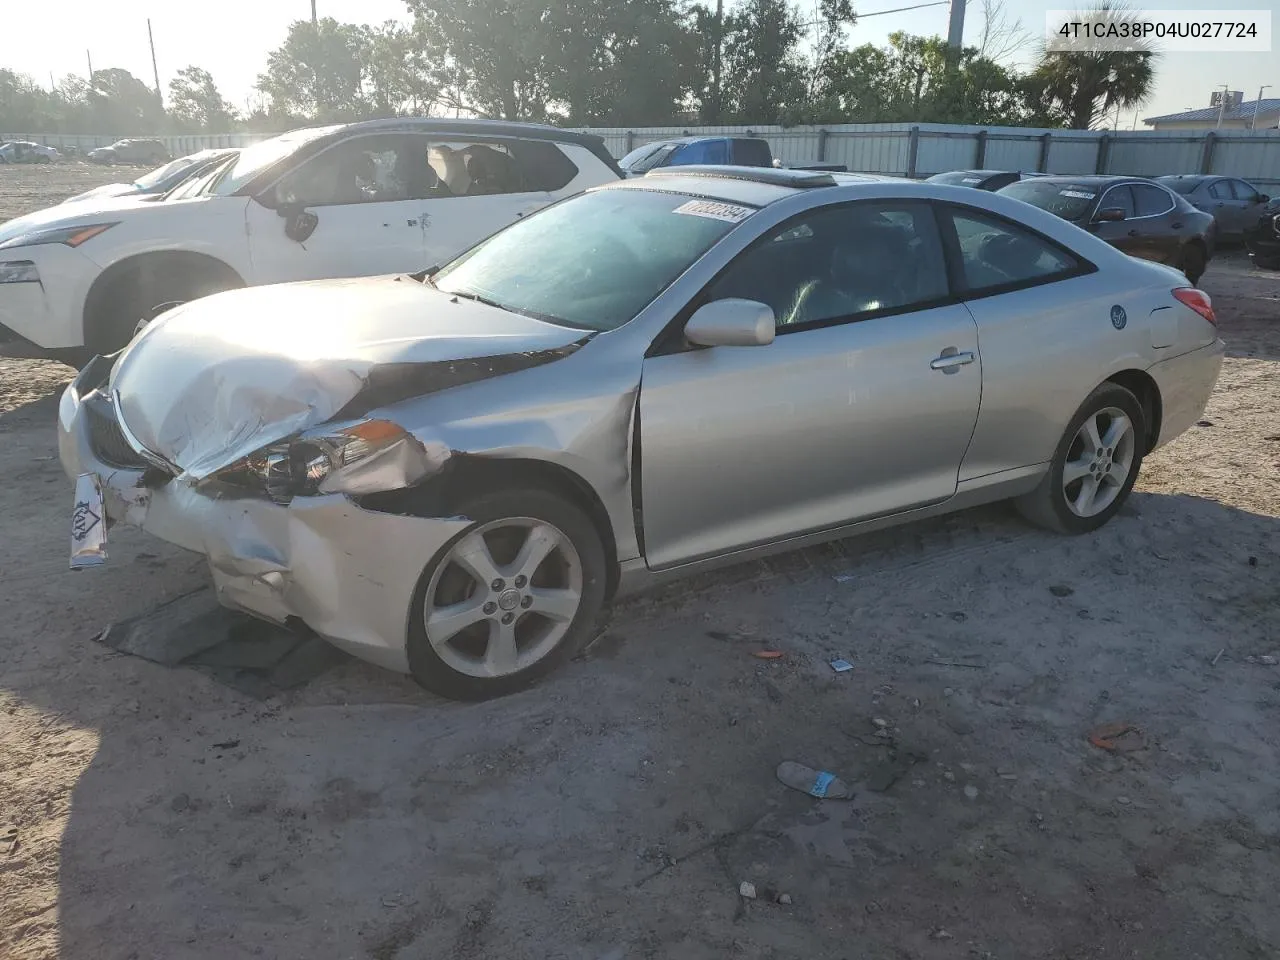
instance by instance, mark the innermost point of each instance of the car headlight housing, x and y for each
(69, 236)
(360, 458)
(19, 271)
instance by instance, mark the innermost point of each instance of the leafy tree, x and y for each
(1083, 86)
(318, 71)
(196, 104)
(491, 56)
(601, 59)
(118, 102)
(397, 78)
(26, 107)
(764, 72)
(919, 79)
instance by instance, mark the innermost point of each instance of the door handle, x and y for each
(949, 361)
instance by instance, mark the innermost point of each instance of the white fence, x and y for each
(920, 150)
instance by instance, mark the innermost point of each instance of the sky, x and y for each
(231, 39)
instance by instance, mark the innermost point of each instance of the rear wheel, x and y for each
(1094, 467)
(1193, 263)
(509, 600)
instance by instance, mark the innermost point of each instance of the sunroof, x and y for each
(774, 176)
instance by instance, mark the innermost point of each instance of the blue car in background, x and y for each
(686, 151)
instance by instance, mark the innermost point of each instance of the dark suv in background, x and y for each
(132, 151)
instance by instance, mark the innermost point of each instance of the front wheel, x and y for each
(505, 603)
(1094, 467)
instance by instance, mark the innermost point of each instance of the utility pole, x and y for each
(955, 31)
(313, 11)
(90, 59)
(715, 61)
(155, 71)
(1256, 104)
(1222, 105)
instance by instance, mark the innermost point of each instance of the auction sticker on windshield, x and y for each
(728, 212)
(1078, 194)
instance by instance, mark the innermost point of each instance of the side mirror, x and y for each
(299, 224)
(731, 323)
(1109, 215)
(1262, 198)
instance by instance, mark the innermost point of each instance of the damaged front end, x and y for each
(267, 482)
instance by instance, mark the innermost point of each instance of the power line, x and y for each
(880, 13)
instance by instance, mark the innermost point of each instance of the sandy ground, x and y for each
(612, 812)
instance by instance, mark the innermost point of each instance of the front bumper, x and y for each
(48, 313)
(347, 573)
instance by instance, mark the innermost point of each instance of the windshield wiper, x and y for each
(477, 298)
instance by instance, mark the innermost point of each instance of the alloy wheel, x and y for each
(503, 597)
(1098, 462)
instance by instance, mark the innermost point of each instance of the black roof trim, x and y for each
(773, 176)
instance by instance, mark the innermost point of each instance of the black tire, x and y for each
(1046, 506)
(134, 298)
(1267, 263)
(1193, 263)
(426, 665)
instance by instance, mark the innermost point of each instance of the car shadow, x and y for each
(615, 809)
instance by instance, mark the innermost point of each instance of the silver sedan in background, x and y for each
(451, 473)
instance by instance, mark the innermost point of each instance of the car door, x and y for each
(366, 219)
(1158, 226)
(1036, 305)
(1250, 205)
(1122, 234)
(862, 406)
(481, 186)
(1224, 207)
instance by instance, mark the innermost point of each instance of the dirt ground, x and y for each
(612, 812)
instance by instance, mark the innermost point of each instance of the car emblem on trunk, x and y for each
(1118, 317)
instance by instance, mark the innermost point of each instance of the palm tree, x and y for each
(1085, 86)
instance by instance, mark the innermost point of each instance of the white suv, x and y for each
(361, 199)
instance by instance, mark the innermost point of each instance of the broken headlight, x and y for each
(365, 457)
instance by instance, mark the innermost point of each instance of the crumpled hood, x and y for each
(85, 211)
(213, 380)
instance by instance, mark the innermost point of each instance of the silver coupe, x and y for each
(452, 473)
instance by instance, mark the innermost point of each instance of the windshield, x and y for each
(646, 157)
(963, 177)
(1179, 184)
(261, 156)
(593, 261)
(159, 175)
(1070, 201)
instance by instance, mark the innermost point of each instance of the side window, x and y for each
(689, 153)
(360, 170)
(1120, 197)
(842, 263)
(460, 168)
(752, 153)
(1220, 190)
(995, 253)
(1243, 191)
(1149, 201)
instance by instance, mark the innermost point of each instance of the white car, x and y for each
(24, 151)
(362, 199)
(162, 179)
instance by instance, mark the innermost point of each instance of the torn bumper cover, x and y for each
(347, 573)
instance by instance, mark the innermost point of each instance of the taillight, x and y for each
(1198, 301)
